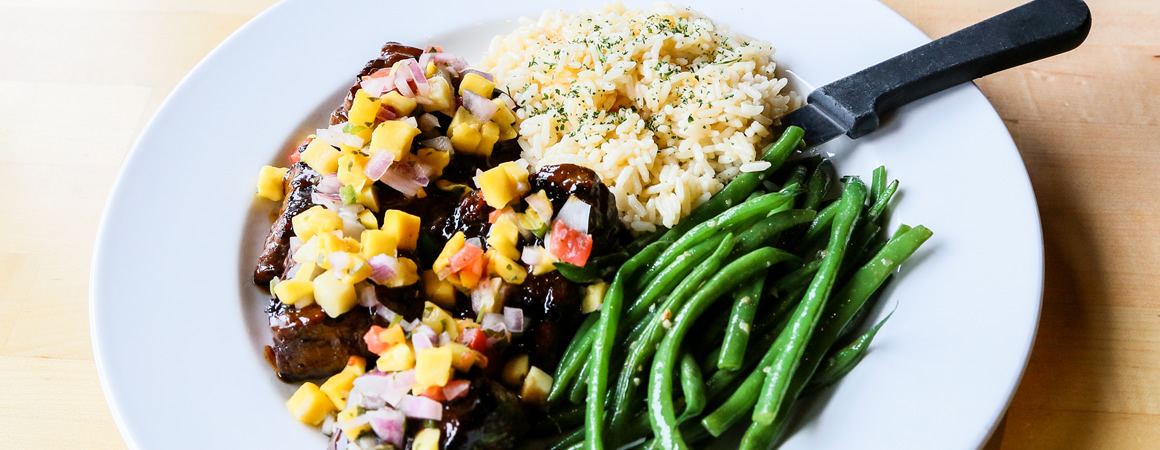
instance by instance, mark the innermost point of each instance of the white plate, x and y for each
(177, 325)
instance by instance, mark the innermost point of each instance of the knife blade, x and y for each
(853, 105)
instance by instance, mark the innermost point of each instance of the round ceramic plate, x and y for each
(178, 327)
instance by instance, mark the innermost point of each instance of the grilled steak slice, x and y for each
(299, 184)
(309, 344)
(551, 307)
(392, 53)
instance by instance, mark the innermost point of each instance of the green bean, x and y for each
(798, 279)
(846, 303)
(708, 363)
(596, 269)
(877, 184)
(763, 232)
(797, 177)
(567, 418)
(730, 220)
(693, 386)
(883, 201)
(569, 441)
(818, 186)
(601, 357)
(818, 227)
(579, 390)
(661, 410)
(641, 260)
(668, 278)
(796, 336)
(646, 344)
(640, 243)
(843, 361)
(745, 301)
(741, 186)
(758, 436)
(570, 362)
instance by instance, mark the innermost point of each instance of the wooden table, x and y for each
(78, 80)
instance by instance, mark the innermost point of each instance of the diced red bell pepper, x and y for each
(571, 246)
(474, 339)
(372, 339)
(465, 257)
(434, 393)
(456, 389)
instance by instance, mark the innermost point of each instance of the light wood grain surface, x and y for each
(79, 78)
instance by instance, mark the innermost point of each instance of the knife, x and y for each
(1030, 32)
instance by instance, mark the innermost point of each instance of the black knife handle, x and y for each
(1027, 33)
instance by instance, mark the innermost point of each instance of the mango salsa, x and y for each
(321, 157)
(396, 358)
(363, 112)
(475, 83)
(433, 366)
(316, 220)
(291, 291)
(378, 242)
(394, 136)
(503, 184)
(333, 295)
(440, 292)
(427, 439)
(400, 105)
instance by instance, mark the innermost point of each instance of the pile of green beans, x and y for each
(667, 363)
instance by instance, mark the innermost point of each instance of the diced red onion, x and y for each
(542, 206)
(367, 441)
(295, 244)
(338, 441)
(423, 338)
(383, 268)
(335, 136)
(507, 100)
(474, 242)
(351, 226)
(418, 77)
(442, 143)
(402, 178)
(425, 60)
(410, 121)
(532, 255)
(385, 312)
(389, 388)
(480, 107)
(329, 184)
(483, 293)
(339, 262)
(494, 323)
(388, 425)
(379, 164)
(327, 427)
(487, 76)
(329, 201)
(293, 270)
(421, 408)
(377, 86)
(366, 295)
(428, 122)
(575, 214)
(456, 62)
(456, 389)
(513, 319)
(403, 85)
(444, 338)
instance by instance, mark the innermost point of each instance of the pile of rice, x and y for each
(665, 105)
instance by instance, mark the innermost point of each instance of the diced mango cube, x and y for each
(307, 271)
(270, 182)
(475, 83)
(368, 220)
(436, 159)
(309, 405)
(321, 157)
(403, 227)
(356, 365)
(363, 110)
(393, 335)
(593, 297)
(503, 236)
(453, 246)
(463, 358)
(426, 439)
(488, 136)
(350, 171)
(506, 268)
(503, 184)
(400, 105)
(352, 431)
(515, 371)
(464, 137)
(394, 136)
(503, 114)
(396, 358)
(433, 366)
(290, 291)
(408, 274)
(378, 242)
(316, 220)
(536, 386)
(507, 132)
(439, 320)
(439, 93)
(333, 295)
(438, 291)
(358, 271)
(367, 197)
(338, 387)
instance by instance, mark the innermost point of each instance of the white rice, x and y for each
(665, 105)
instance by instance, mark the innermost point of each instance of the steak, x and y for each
(299, 184)
(309, 344)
